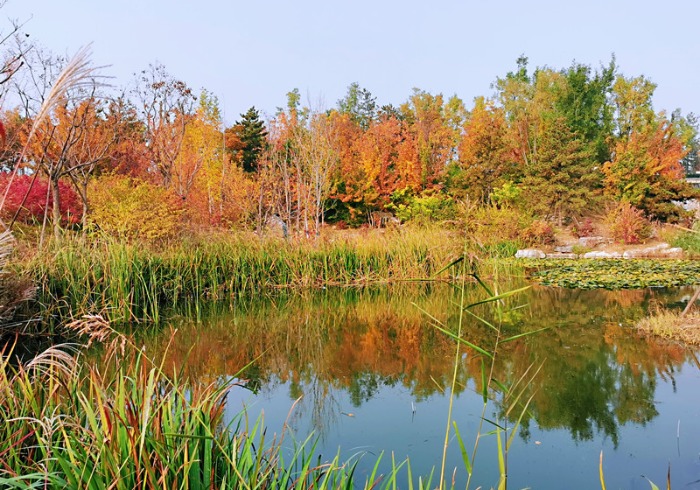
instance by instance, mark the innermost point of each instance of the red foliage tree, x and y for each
(29, 197)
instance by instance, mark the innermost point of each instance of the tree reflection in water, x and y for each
(597, 372)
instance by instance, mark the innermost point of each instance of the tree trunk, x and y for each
(86, 208)
(56, 211)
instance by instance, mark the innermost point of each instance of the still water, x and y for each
(372, 375)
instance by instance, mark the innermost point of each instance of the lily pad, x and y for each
(613, 273)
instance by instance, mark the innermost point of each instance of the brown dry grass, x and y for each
(673, 326)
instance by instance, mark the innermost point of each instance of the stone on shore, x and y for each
(530, 253)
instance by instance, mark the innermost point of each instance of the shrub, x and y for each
(489, 225)
(429, 206)
(509, 194)
(628, 224)
(129, 208)
(583, 228)
(37, 197)
(538, 233)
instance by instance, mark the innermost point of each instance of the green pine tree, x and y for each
(252, 133)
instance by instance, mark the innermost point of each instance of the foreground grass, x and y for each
(67, 424)
(130, 282)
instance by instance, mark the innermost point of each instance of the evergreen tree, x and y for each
(584, 101)
(360, 105)
(252, 134)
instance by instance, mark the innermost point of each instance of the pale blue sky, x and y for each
(254, 52)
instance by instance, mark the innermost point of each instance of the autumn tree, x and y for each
(56, 143)
(686, 127)
(278, 182)
(632, 102)
(485, 158)
(556, 125)
(344, 202)
(376, 174)
(99, 135)
(646, 171)
(14, 124)
(166, 106)
(646, 168)
(129, 156)
(434, 138)
(314, 160)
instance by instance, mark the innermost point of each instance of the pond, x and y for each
(372, 375)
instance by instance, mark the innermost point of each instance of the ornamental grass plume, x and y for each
(13, 290)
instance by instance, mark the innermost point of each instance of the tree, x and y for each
(252, 136)
(646, 168)
(166, 106)
(434, 137)
(60, 124)
(485, 158)
(632, 100)
(314, 160)
(687, 130)
(360, 105)
(129, 155)
(560, 180)
(583, 100)
(646, 171)
(99, 133)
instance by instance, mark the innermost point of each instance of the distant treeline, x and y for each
(555, 143)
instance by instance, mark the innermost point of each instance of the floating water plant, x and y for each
(613, 273)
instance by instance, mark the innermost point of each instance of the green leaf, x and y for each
(465, 342)
(451, 264)
(463, 450)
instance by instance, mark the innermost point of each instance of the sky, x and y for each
(252, 53)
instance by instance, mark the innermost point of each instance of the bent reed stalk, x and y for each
(132, 283)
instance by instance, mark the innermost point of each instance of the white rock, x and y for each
(530, 253)
(565, 249)
(602, 255)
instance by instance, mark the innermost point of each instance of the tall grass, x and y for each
(129, 282)
(512, 396)
(128, 423)
(68, 424)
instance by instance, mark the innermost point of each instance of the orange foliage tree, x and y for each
(646, 170)
(486, 160)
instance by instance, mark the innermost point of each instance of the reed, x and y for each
(68, 424)
(133, 283)
(512, 396)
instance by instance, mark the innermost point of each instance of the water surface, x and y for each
(372, 374)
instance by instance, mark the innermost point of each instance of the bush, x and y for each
(583, 228)
(509, 194)
(538, 233)
(36, 193)
(628, 224)
(129, 208)
(490, 225)
(429, 206)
